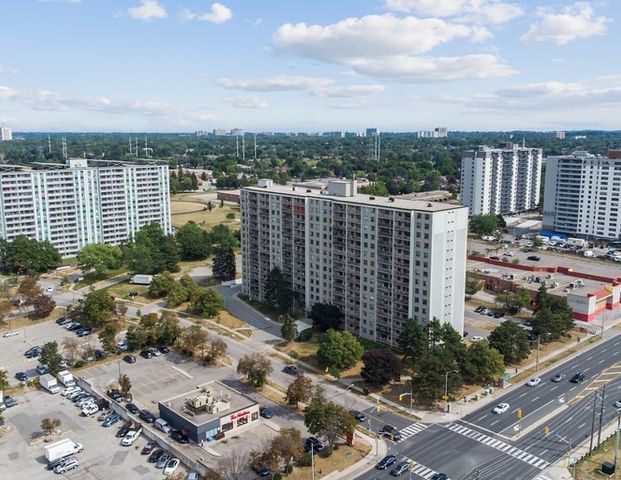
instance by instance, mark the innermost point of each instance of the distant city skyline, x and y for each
(398, 65)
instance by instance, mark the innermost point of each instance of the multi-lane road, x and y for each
(485, 446)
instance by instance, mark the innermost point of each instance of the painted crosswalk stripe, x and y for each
(412, 429)
(420, 470)
(499, 445)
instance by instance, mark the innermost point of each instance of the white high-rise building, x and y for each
(501, 180)
(6, 134)
(74, 205)
(582, 195)
(380, 260)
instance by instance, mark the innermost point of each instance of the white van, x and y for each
(162, 424)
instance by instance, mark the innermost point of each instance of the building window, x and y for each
(227, 426)
(255, 416)
(242, 421)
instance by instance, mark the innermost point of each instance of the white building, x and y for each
(6, 134)
(380, 260)
(582, 194)
(438, 132)
(73, 205)
(501, 181)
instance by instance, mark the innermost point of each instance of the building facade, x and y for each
(501, 181)
(6, 134)
(75, 205)
(380, 260)
(582, 194)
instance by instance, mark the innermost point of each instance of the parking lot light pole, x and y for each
(312, 461)
(446, 374)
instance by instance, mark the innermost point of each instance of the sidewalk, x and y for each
(379, 449)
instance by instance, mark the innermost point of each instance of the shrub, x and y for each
(305, 335)
(305, 460)
(79, 364)
(326, 452)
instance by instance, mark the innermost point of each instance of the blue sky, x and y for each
(289, 65)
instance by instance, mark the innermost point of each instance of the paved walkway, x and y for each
(379, 449)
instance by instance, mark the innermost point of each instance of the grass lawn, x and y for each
(187, 208)
(304, 351)
(341, 458)
(91, 277)
(226, 319)
(589, 467)
(122, 290)
(16, 323)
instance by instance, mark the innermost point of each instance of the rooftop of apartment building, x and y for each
(80, 163)
(582, 154)
(341, 190)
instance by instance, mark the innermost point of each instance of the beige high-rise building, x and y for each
(6, 134)
(380, 260)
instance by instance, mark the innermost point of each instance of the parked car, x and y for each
(179, 436)
(11, 333)
(84, 331)
(291, 369)
(386, 462)
(132, 408)
(262, 470)
(33, 352)
(479, 309)
(70, 464)
(533, 258)
(361, 417)
(163, 460)
(62, 320)
(155, 351)
(558, 377)
(147, 416)
(146, 354)
(148, 448)
(130, 358)
(440, 476)
(313, 445)
(578, 378)
(162, 424)
(500, 408)
(171, 466)
(155, 455)
(121, 432)
(476, 338)
(9, 401)
(110, 420)
(391, 432)
(42, 369)
(84, 401)
(265, 412)
(400, 469)
(163, 349)
(533, 382)
(130, 437)
(21, 376)
(103, 415)
(90, 409)
(115, 395)
(122, 346)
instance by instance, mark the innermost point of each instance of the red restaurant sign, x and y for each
(239, 414)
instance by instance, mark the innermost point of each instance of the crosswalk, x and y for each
(499, 445)
(420, 470)
(410, 430)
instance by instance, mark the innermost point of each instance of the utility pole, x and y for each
(617, 438)
(537, 360)
(312, 461)
(601, 417)
(593, 421)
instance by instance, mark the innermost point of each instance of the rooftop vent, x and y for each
(371, 198)
(429, 205)
(308, 190)
(390, 199)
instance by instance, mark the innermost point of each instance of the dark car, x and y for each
(155, 456)
(291, 369)
(63, 321)
(148, 448)
(84, 331)
(479, 309)
(440, 476)
(179, 436)
(99, 354)
(494, 258)
(9, 401)
(313, 445)
(146, 354)
(130, 358)
(262, 470)
(21, 376)
(265, 412)
(533, 258)
(386, 462)
(121, 432)
(75, 327)
(132, 408)
(578, 378)
(115, 395)
(391, 432)
(400, 469)
(163, 349)
(498, 314)
(33, 352)
(361, 417)
(147, 416)
(110, 420)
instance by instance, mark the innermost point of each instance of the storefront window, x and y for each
(242, 421)
(255, 415)
(227, 426)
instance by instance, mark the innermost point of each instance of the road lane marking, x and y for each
(411, 430)
(524, 394)
(494, 423)
(420, 470)
(581, 426)
(535, 399)
(486, 430)
(589, 358)
(499, 445)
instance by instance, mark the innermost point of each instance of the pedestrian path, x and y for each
(411, 430)
(420, 470)
(499, 445)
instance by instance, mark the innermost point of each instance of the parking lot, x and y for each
(103, 457)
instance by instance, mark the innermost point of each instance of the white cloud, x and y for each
(571, 23)
(9, 70)
(148, 10)
(386, 46)
(219, 14)
(321, 87)
(251, 101)
(474, 11)
(604, 91)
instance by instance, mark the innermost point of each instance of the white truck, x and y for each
(576, 242)
(50, 383)
(66, 378)
(62, 448)
(141, 280)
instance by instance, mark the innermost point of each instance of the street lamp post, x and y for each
(348, 387)
(446, 374)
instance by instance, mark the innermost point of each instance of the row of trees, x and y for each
(24, 255)
(29, 297)
(205, 302)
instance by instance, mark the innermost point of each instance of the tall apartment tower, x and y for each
(380, 260)
(74, 205)
(582, 195)
(501, 181)
(6, 134)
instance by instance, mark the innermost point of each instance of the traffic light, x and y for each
(401, 397)
(546, 430)
(519, 413)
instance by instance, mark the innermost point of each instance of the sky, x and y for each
(309, 65)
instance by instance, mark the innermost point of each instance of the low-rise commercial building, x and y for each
(209, 411)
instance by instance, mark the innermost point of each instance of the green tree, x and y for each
(224, 268)
(31, 256)
(256, 368)
(288, 329)
(338, 350)
(230, 216)
(190, 285)
(428, 379)
(217, 349)
(326, 316)
(177, 295)
(193, 242)
(49, 425)
(473, 284)
(29, 290)
(484, 224)
(161, 285)
(107, 336)
(207, 303)
(299, 390)
(380, 367)
(99, 257)
(5, 310)
(152, 251)
(125, 385)
(414, 341)
(168, 329)
(221, 236)
(553, 316)
(278, 295)
(95, 309)
(511, 340)
(50, 357)
(192, 339)
(482, 363)
(323, 417)
(4, 379)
